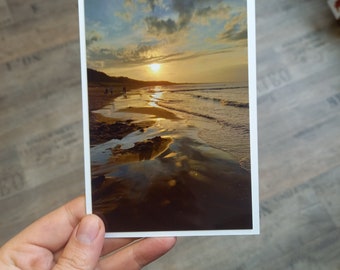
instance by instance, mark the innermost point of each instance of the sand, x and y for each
(98, 97)
(154, 111)
(145, 150)
(103, 128)
(162, 182)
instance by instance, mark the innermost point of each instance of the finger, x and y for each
(111, 245)
(84, 247)
(138, 254)
(53, 230)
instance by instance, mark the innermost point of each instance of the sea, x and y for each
(201, 182)
(220, 112)
(216, 114)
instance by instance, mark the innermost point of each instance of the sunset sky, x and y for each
(172, 40)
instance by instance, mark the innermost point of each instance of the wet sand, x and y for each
(103, 128)
(179, 191)
(145, 150)
(165, 182)
(98, 97)
(156, 112)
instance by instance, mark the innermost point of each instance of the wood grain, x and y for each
(298, 55)
(40, 121)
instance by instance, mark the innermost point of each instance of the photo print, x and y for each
(169, 108)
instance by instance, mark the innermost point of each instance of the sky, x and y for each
(182, 41)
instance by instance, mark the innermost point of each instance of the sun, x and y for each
(155, 67)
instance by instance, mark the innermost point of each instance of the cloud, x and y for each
(184, 12)
(188, 9)
(141, 54)
(220, 11)
(92, 37)
(129, 3)
(204, 12)
(236, 28)
(157, 27)
(126, 16)
(192, 55)
(174, 31)
(152, 4)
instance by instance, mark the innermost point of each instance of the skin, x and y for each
(69, 239)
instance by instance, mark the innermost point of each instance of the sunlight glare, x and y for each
(155, 67)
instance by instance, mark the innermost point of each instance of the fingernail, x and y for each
(88, 229)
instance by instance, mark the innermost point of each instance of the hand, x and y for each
(68, 239)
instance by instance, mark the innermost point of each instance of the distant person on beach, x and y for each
(69, 239)
(124, 92)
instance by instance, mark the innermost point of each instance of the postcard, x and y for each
(169, 109)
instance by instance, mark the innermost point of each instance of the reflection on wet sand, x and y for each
(152, 177)
(183, 189)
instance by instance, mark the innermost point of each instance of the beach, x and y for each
(166, 158)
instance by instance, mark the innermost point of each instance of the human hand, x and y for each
(69, 239)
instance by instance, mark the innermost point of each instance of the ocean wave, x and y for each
(224, 102)
(205, 88)
(219, 121)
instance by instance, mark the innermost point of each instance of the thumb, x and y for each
(84, 246)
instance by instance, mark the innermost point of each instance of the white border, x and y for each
(252, 78)
(253, 137)
(85, 107)
(336, 13)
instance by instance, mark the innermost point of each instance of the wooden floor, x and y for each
(298, 53)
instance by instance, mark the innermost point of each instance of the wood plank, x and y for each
(40, 121)
(41, 161)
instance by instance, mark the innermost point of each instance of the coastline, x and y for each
(150, 178)
(106, 128)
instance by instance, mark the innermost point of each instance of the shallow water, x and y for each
(202, 180)
(218, 114)
(189, 187)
